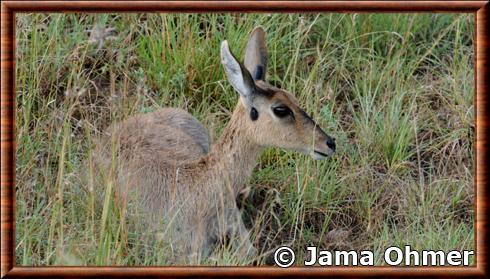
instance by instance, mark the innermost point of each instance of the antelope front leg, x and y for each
(199, 244)
(240, 236)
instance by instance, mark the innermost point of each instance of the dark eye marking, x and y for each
(282, 111)
(254, 114)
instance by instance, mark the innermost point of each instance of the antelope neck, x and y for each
(235, 155)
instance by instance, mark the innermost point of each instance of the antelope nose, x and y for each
(331, 143)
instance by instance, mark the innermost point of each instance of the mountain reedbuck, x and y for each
(186, 188)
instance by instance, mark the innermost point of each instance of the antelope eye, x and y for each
(282, 111)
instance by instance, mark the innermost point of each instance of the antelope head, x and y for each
(273, 115)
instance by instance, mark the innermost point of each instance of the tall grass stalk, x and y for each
(395, 90)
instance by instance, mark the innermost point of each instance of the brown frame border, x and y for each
(8, 10)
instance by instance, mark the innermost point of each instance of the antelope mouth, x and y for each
(319, 155)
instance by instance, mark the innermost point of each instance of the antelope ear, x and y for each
(256, 54)
(237, 75)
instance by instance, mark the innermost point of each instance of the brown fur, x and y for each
(161, 161)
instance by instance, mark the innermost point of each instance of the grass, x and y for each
(395, 90)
